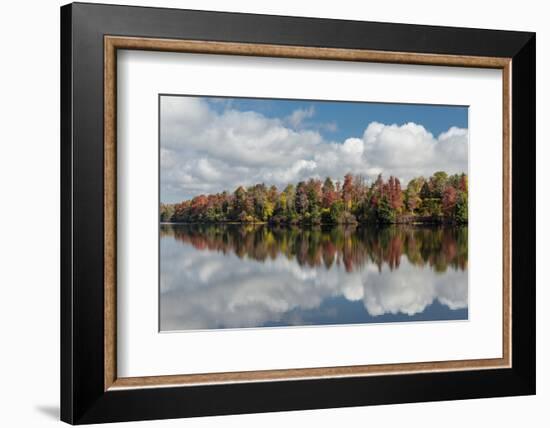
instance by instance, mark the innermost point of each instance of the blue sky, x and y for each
(208, 145)
(349, 117)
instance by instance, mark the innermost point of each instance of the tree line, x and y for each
(441, 198)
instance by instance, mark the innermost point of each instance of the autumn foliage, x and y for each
(352, 247)
(438, 199)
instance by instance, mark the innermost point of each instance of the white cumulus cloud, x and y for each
(299, 115)
(204, 150)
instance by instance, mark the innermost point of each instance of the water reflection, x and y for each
(234, 276)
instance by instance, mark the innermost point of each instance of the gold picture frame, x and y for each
(114, 43)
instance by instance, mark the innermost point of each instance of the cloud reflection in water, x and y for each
(252, 276)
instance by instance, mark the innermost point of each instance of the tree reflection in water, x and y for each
(235, 276)
(437, 247)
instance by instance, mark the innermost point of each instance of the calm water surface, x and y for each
(238, 276)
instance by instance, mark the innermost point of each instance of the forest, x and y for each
(438, 199)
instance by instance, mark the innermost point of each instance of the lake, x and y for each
(248, 276)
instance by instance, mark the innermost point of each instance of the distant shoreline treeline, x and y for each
(438, 199)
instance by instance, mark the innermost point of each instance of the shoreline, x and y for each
(302, 224)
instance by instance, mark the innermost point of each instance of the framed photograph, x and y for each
(265, 213)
